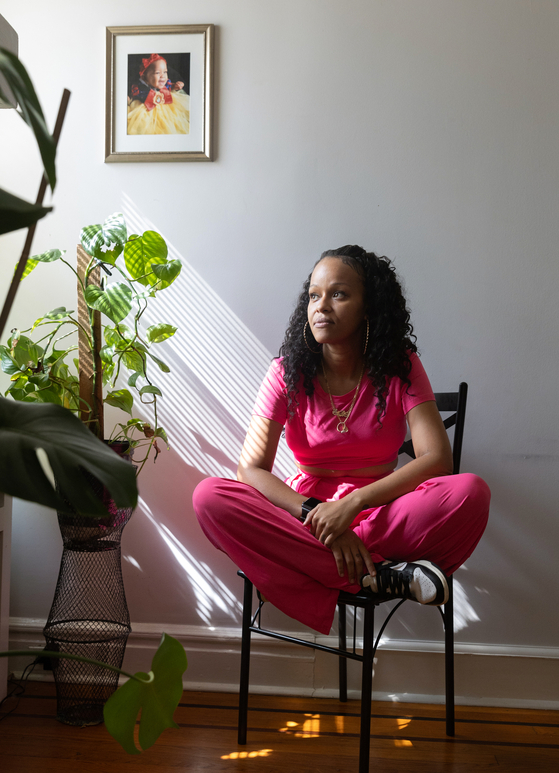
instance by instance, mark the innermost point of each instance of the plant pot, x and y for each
(89, 616)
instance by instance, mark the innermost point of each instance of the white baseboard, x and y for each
(405, 671)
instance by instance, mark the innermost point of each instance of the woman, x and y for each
(347, 381)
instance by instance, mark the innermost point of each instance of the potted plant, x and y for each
(36, 439)
(43, 369)
(41, 363)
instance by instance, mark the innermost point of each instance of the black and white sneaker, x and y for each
(420, 581)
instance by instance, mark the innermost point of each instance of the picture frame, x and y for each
(159, 93)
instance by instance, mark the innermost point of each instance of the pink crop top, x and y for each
(311, 433)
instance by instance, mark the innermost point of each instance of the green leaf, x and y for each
(105, 242)
(160, 432)
(141, 254)
(121, 334)
(150, 390)
(16, 213)
(106, 353)
(49, 256)
(59, 313)
(160, 364)
(7, 362)
(157, 333)
(26, 352)
(108, 370)
(71, 448)
(115, 301)
(19, 82)
(157, 699)
(167, 273)
(29, 266)
(120, 398)
(133, 378)
(133, 360)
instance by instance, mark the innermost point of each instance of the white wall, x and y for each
(426, 131)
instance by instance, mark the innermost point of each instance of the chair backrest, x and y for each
(449, 401)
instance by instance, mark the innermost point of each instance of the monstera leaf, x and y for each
(16, 213)
(157, 696)
(30, 110)
(71, 448)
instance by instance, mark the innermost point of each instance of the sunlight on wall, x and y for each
(210, 592)
(217, 366)
(464, 612)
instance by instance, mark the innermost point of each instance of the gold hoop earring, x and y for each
(314, 351)
(366, 339)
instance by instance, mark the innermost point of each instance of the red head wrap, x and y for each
(147, 62)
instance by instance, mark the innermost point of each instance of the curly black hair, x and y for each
(391, 337)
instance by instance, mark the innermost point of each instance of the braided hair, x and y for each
(391, 337)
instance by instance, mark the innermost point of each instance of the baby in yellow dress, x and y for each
(155, 105)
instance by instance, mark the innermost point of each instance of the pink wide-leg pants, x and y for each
(441, 520)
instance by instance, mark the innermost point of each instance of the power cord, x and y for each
(18, 687)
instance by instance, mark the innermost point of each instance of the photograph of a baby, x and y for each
(158, 94)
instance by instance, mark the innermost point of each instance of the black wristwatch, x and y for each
(307, 506)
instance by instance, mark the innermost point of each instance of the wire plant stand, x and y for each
(89, 616)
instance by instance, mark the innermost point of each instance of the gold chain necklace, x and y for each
(343, 416)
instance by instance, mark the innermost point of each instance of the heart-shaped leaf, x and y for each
(115, 301)
(106, 354)
(157, 333)
(166, 273)
(26, 353)
(45, 257)
(105, 242)
(118, 335)
(134, 360)
(7, 362)
(141, 254)
(160, 364)
(133, 378)
(120, 398)
(150, 390)
(156, 696)
(71, 449)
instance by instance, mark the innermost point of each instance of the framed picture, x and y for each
(159, 93)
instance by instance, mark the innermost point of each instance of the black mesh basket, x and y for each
(89, 616)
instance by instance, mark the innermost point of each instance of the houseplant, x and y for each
(68, 448)
(40, 360)
(89, 614)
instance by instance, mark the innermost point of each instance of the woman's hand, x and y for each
(330, 519)
(348, 549)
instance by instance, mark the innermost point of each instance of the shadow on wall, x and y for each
(209, 395)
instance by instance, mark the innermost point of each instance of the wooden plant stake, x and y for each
(90, 370)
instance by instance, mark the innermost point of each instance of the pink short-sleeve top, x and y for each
(311, 432)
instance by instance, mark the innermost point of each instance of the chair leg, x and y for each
(366, 689)
(245, 662)
(449, 659)
(342, 643)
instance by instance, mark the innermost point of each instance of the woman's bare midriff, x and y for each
(362, 472)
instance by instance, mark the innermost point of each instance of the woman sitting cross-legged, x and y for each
(347, 382)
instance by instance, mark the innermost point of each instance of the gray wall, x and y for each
(426, 131)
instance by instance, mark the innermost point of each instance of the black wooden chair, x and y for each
(451, 402)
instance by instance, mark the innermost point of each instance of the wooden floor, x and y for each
(303, 735)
